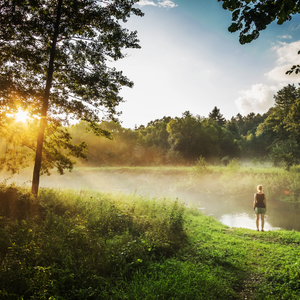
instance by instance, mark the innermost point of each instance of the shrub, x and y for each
(84, 239)
(234, 165)
(295, 169)
(201, 164)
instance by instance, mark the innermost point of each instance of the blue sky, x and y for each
(189, 61)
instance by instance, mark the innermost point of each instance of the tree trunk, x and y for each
(43, 120)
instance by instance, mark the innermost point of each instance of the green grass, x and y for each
(89, 245)
(216, 169)
(142, 169)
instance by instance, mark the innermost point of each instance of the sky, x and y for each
(189, 61)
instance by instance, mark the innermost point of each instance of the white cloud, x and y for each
(146, 2)
(287, 57)
(284, 36)
(160, 3)
(167, 4)
(294, 27)
(258, 99)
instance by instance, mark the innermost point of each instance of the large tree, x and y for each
(249, 17)
(55, 57)
(282, 126)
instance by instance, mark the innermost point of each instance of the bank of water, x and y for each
(234, 211)
(237, 212)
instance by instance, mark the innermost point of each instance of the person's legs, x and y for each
(262, 221)
(257, 222)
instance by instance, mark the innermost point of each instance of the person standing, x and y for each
(260, 207)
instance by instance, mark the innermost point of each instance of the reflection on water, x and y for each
(232, 211)
(238, 212)
(244, 220)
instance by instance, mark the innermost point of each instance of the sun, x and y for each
(21, 116)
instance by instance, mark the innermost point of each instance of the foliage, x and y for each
(286, 153)
(201, 165)
(127, 147)
(89, 35)
(20, 138)
(88, 245)
(251, 17)
(232, 126)
(193, 137)
(295, 169)
(217, 116)
(84, 239)
(187, 136)
(294, 68)
(281, 127)
(234, 164)
(166, 140)
(54, 57)
(248, 124)
(163, 141)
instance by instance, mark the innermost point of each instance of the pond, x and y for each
(238, 212)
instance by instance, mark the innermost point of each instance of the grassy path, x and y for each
(265, 265)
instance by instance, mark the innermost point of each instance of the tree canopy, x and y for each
(249, 17)
(56, 60)
(282, 127)
(217, 116)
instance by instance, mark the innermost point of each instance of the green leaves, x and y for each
(283, 125)
(251, 16)
(84, 36)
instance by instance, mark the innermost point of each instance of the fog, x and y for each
(234, 211)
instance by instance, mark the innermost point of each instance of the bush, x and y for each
(17, 203)
(84, 239)
(295, 169)
(234, 165)
(201, 164)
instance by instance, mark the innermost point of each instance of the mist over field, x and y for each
(225, 195)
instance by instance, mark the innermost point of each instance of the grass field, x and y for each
(90, 245)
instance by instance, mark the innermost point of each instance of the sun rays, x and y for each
(21, 116)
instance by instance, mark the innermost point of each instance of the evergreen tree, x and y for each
(217, 116)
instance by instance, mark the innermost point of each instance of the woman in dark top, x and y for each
(260, 207)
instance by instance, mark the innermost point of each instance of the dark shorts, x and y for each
(260, 210)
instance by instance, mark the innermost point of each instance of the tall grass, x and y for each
(89, 245)
(83, 239)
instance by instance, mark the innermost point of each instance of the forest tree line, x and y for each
(273, 136)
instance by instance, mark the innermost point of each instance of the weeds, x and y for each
(234, 165)
(85, 237)
(89, 245)
(201, 165)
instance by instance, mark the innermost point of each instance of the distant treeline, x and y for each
(273, 136)
(179, 140)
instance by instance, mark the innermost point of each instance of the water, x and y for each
(235, 213)
(231, 211)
